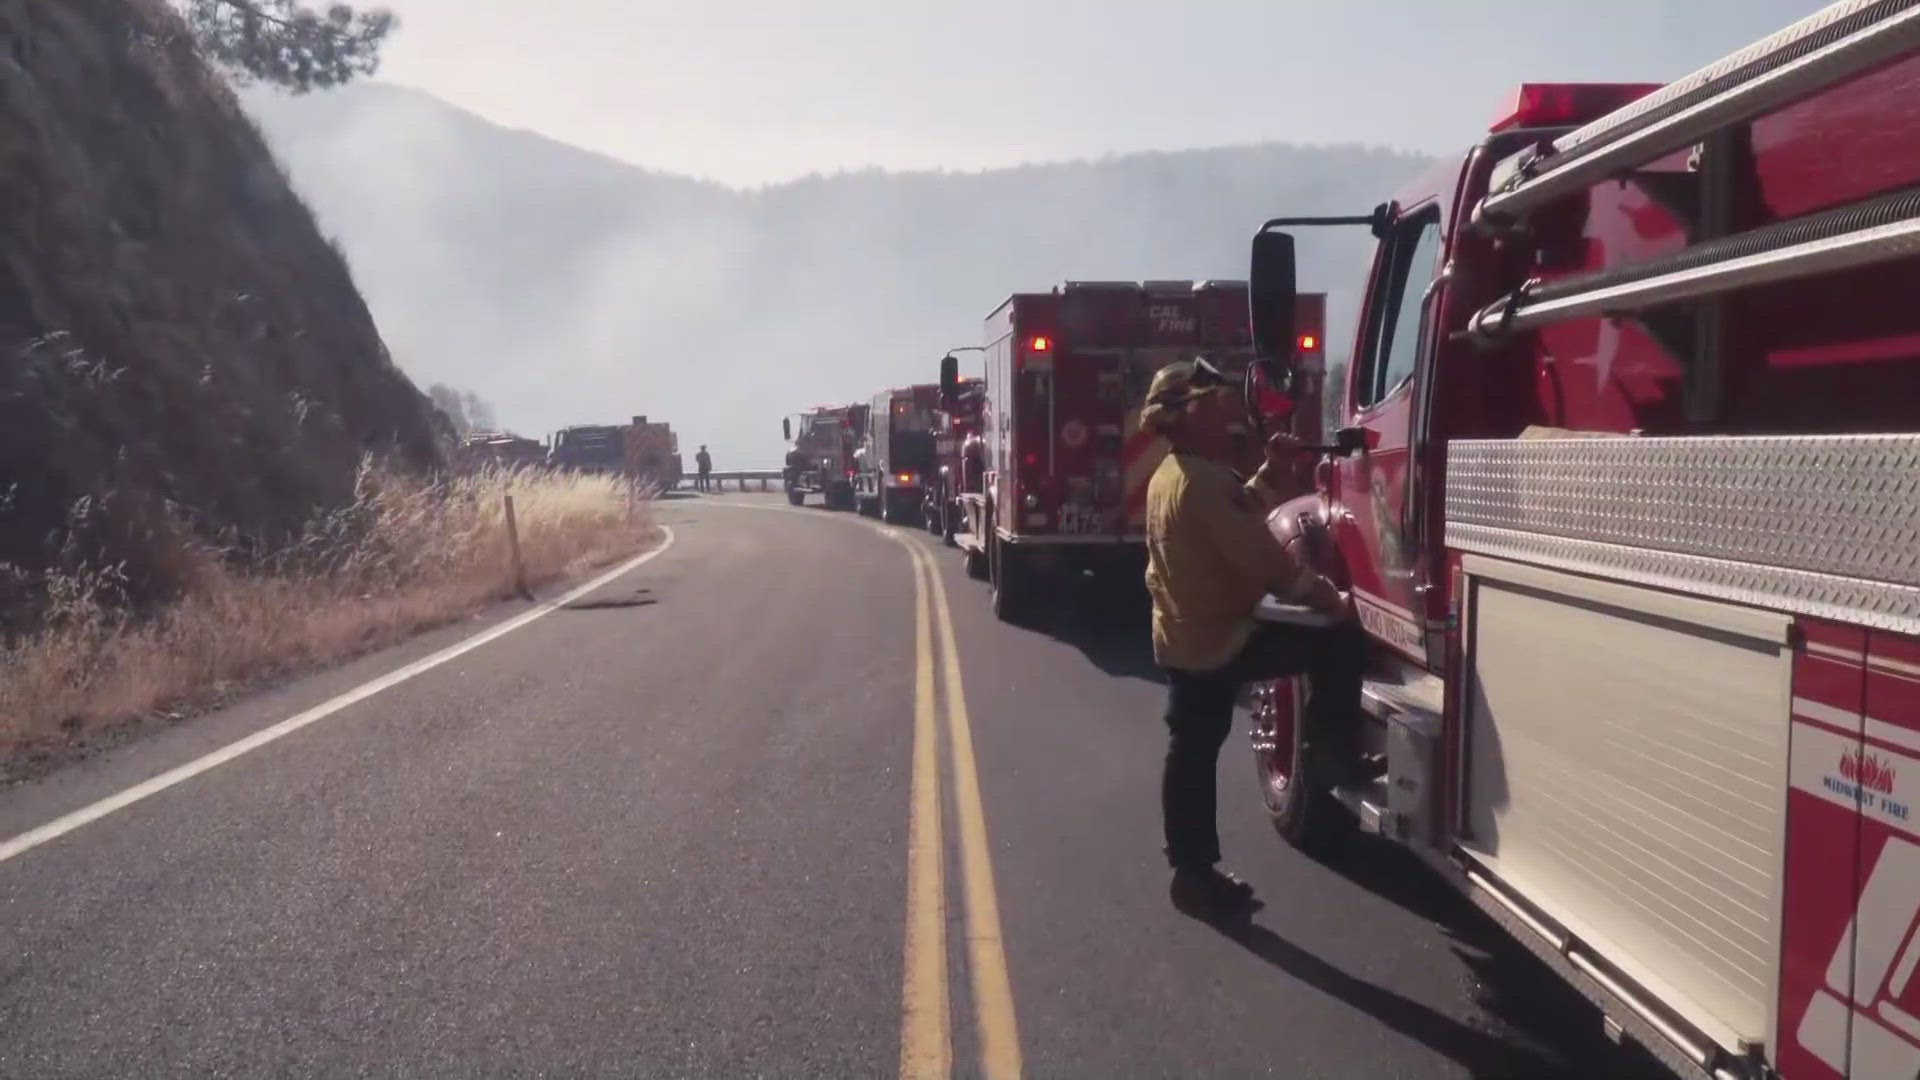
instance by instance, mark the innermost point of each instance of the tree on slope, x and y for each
(289, 43)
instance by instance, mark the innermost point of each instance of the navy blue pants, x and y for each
(1200, 714)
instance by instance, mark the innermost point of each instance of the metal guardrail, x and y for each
(740, 478)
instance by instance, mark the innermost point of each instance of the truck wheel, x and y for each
(796, 497)
(1304, 812)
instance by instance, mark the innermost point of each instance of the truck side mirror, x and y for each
(1270, 297)
(786, 429)
(949, 380)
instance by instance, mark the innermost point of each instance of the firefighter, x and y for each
(1210, 559)
(973, 463)
(703, 462)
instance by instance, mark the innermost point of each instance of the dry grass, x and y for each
(405, 556)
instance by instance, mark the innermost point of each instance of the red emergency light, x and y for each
(1308, 343)
(1566, 104)
(1040, 343)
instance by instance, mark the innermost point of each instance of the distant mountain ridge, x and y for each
(567, 287)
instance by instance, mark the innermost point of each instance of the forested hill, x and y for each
(566, 287)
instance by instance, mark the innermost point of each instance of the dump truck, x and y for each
(591, 448)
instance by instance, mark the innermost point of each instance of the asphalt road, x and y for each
(726, 815)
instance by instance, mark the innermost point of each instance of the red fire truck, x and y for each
(1628, 498)
(1067, 466)
(820, 458)
(956, 436)
(896, 459)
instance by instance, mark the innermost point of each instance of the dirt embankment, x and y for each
(183, 357)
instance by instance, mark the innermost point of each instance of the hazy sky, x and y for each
(751, 91)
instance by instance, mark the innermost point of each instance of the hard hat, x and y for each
(1174, 387)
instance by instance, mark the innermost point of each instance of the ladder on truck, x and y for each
(1840, 41)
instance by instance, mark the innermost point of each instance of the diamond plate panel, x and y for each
(1821, 525)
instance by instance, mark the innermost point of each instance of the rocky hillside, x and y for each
(179, 346)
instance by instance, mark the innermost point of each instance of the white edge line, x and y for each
(67, 823)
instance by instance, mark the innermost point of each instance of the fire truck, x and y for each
(652, 453)
(956, 436)
(1067, 466)
(594, 448)
(820, 458)
(1627, 494)
(896, 459)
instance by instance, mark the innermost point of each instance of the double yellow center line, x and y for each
(926, 1036)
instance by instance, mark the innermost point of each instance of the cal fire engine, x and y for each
(820, 457)
(897, 457)
(1630, 504)
(1067, 466)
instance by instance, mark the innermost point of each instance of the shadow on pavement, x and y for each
(637, 598)
(1112, 627)
(1547, 1028)
(1482, 1053)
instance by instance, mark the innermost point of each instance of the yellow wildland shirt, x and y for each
(1210, 559)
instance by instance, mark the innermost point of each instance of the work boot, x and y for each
(1211, 891)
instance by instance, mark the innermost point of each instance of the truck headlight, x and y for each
(1031, 502)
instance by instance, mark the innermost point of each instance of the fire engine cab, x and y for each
(820, 459)
(1628, 496)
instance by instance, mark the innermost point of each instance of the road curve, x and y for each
(784, 800)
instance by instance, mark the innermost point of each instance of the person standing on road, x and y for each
(1210, 559)
(703, 462)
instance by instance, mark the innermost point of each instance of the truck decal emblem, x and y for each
(1170, 319)
(1868, 771)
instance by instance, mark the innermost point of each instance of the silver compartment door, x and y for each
(1626, 772)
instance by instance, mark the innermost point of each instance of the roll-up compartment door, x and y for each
(1626, 773)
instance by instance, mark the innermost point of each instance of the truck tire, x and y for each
(1303, 810)
(796, 497)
